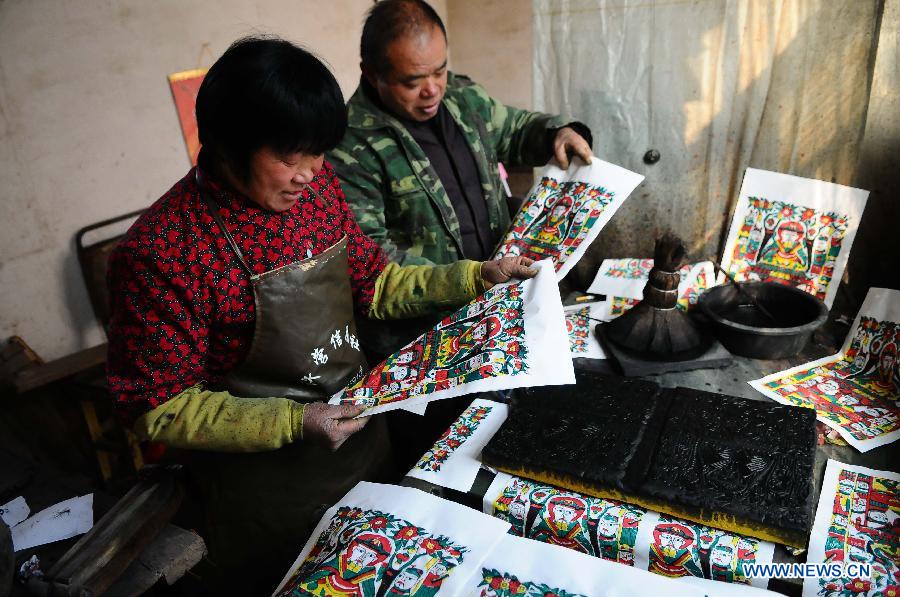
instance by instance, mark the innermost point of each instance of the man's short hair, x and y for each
(390, 20)
(265, 92)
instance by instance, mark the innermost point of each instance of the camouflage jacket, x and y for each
(396, 195)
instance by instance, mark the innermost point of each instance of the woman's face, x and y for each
(276, 180)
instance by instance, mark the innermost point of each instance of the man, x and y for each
(419, 160)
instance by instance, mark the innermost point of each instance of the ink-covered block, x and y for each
(740, 465)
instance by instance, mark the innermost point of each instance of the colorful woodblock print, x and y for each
(856, 392)
(485, 339)
(554, 220)
(598, 527)
(680, 548)
(578, 325)
(461, 430)
(857, 521)
(623, 281)
(619, 305)
(630, 269)
(368, 552)
(789, 244)
(185, 86)
(502, 584)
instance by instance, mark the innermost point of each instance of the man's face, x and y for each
(360, 557)
(414, 82)
(565, 513)
(608, 525)
(721, 555)
(671, 540)
(829, 387)
(406, 580)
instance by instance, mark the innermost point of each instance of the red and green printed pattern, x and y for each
(599, 527)
(368, 552)
(682, 548)
(461, 430)
(578, 324)
(501, 584)
(864, 528)
(482, 340)
(858, 392)
(788, 244)
(555, 220)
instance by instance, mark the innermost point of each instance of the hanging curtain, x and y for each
(714, 86)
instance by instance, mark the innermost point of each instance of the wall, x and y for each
(491, 42)
(88, 129)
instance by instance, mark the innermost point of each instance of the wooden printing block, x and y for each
(735, 464)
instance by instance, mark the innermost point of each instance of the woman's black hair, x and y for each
(267, 93)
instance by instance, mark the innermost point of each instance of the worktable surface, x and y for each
(731, 380)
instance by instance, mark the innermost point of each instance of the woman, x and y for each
(233, 301)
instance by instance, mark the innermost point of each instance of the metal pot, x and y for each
(745, 331)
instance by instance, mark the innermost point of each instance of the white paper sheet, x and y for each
(856, 522)
(512, 336)
(580, 322)
(401, 537)
(455, 458)
(566, 210)
(61, 521)
(856, 391)
(522, 567)
(679, 548)
(623, 280)
(14, 511)
(794, 231)
(623, 533)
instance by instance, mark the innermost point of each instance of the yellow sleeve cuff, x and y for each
(199, 419)
(409, 291)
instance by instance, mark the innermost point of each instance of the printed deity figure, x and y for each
(674, 551)
(786, 249)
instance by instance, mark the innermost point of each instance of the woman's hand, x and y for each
(330, 424)
(506, 268)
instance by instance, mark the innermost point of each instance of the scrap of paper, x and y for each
(793, 231)
(624, 533)
(387, 540)
(455, 458)
(580, 322)
(623, 280)
(184, 86)
(679, 548)
(856, 391)
(61, 521)
(14, 512)
(566, 210)
(857, 521)
(513, 335)
(519, 567)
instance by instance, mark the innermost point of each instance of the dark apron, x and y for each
(259, 506)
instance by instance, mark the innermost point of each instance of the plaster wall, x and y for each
(88, 129)
(490, 41)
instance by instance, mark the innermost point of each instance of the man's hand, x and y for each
(504, 269)
(330, 424)
(568, 142)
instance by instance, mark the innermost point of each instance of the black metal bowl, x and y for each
(745, 330)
